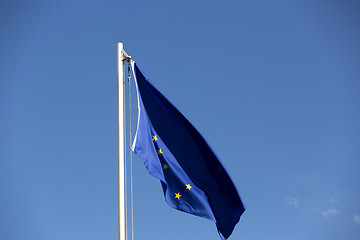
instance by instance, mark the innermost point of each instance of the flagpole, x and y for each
(121, 140)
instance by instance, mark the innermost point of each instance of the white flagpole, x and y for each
(121, 141)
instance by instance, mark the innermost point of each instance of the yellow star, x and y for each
(188, 186)
(154, 138)
(177, 195)
(165, 166)
(159, 152)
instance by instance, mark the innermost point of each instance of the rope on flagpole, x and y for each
(131, 161)
(125, 164)
(127, 58)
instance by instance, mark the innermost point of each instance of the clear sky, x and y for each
(272, 85)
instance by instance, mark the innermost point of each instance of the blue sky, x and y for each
(272, 85)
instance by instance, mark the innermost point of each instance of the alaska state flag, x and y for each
(192, 177)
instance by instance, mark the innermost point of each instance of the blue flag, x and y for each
(192, 177)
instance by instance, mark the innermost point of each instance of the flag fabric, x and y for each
(192, 177)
